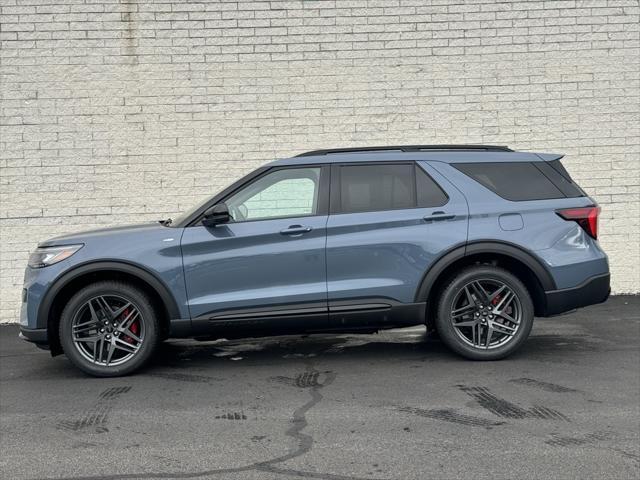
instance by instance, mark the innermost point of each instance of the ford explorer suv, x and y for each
(472, 241)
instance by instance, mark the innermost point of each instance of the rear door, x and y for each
(388, 222)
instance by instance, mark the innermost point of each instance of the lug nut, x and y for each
(102, 330)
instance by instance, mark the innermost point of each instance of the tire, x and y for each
(130, 337)
(476, 330)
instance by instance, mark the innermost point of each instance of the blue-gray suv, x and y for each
(471, 240)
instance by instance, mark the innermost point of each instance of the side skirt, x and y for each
(365, 317)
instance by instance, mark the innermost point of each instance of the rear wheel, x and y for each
(109, 328)
(484, 313)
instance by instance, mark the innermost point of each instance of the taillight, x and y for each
(586, 217)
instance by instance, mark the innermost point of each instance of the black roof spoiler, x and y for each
(550, 157)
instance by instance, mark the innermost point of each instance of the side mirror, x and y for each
(216, 215)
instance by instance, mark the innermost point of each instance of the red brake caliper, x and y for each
(134, 327)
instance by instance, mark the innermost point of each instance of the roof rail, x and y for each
(409, 148)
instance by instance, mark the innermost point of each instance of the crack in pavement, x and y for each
(304, 445)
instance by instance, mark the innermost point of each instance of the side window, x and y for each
(516, 181)
(367, 188)
(290, 192)
(429, 193)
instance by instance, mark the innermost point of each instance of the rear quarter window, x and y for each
(429, 193)
(521, 181)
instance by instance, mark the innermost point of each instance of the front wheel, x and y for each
(109, 328)
(484, 313)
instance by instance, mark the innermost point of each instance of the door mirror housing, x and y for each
(216, 215)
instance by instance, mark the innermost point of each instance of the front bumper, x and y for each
(592, 291)
(35, 335)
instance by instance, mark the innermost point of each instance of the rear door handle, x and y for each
(296, 230)
(438, 216)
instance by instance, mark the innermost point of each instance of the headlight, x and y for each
(45, 256)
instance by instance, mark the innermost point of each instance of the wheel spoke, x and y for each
(495, 294)
(470, 298)
(126, 323)
(504, 329)
(111, 349)
(462, 311)
(97, 351)
(480, 292)
(116, 313)
(469, 323)
(508, 318)
(489, 335)
(90, 322)
(475, 331)
(94, 315)
(87, 339)
(105, 307)
(85, 327)
(132, 335)
(504, 302)
(122, 345)
(478, 338)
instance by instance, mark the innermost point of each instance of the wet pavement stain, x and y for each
(183, 377)
(308, 379)
(547, 386)
(231, 416)
(449, 415)
(97, 415)
(506, 409)
(566, 441)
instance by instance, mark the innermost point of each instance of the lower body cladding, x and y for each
(346, 316)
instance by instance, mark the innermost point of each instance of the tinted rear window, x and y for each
(369, 188)
(556, 172)
(519, 181)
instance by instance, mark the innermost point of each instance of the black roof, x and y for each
(409, 148)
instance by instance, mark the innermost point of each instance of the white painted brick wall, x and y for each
(121, 111)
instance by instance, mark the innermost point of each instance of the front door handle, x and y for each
(438, 216)
(295, 230)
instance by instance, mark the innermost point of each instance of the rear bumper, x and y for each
(592, 291)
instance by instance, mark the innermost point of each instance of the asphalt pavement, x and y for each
(394, 405)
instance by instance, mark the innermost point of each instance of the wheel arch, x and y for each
(70, 282)
(518, 261)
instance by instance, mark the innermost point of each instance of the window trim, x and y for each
(323, 193)
(335, 195)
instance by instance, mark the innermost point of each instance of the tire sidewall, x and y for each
(128, 292)
(455, 286)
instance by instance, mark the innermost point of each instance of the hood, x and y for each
(102, 233)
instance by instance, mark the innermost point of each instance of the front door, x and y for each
(265, 268)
